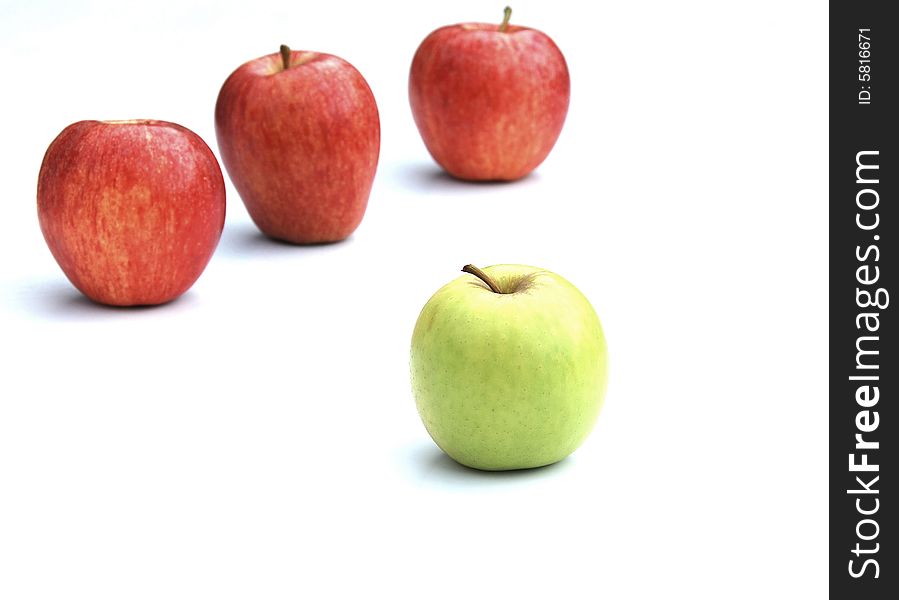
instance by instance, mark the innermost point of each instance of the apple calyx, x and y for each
(507, 14)
(285, 56)
(473, 270)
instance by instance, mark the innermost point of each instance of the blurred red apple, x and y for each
(489, 100)
(131, 210)
(299, 134)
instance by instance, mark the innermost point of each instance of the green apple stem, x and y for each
(473, 270)
(285, 56)
(507, 14)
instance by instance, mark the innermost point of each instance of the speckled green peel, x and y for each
(508, 380)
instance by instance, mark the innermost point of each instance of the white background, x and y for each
(257, 438)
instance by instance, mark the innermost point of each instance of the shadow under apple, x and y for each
(424, 177)
(431, 466)
(60, 301)
(246, 241)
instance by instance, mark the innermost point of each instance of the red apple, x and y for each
(489, 100)
(131, 210)
(299, 135)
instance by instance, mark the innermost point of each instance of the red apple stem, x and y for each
(285, 56)
(473, 270)
(507, 14)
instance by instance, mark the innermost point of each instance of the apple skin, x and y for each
(513, 380)
(489, 104)
(131, 210)
(300, 144)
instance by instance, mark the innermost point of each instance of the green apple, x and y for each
(509, 367)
